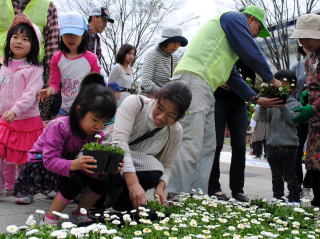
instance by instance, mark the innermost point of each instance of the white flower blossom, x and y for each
(31, 232)
(40, 212)
(30, 221)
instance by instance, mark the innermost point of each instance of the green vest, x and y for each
(36, 10)
(209, 55)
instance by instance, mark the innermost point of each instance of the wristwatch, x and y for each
(255, 99)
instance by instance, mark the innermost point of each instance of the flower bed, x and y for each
(197, 216)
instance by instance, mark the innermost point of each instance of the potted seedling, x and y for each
(269, 91)
(108, 156)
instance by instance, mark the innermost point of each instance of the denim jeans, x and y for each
(282, 163)
(234, 115)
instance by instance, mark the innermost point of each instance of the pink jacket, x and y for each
(18, 90)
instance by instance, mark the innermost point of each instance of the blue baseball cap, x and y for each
(72, 23)
(115, 86)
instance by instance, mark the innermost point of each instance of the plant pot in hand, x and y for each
(104, 154)
(113, 162)
(102, 158)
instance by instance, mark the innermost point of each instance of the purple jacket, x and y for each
(58, 146)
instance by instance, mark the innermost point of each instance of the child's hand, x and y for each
(81, 163)
(45, 93)
(9, 116)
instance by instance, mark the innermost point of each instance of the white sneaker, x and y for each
(305, 194)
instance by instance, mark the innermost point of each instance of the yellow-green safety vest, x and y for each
(209, 55)
(36, 10)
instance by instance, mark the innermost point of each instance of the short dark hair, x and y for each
(33, 55)
(81, 48)
(289, 75)
(124, 49)
(165, 43)
(92, 98)
(92, 78)
(90, 19)
(178, 93)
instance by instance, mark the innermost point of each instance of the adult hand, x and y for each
(159, 194)
(9, 116)
(225, 86)
(45, 93)
(276, 83)
(304, 97)
(270, 102)
(137, 195)
(306, 113)
(82, 163)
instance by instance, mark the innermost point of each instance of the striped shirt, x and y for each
(157, 69)
(51, 32)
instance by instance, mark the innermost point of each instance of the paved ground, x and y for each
(257, 182)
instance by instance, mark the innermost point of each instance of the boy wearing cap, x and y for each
(308, 34)
(98, 19)
(208, 63)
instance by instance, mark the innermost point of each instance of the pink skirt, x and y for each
(18, 137)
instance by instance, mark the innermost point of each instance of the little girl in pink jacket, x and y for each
(20, 80)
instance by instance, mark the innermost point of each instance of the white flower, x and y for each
(40, 212)
(280, 89)
(58, 234)
(133, 223)
(147, 230)
(33, 231)
(138, 233)
(33, 238)
(116, 222)
(126, 218)
(112, 231)
(231, 228)
(30, 221)
(143, 214)
(299, 209)
(160, 214)
(316, 209)
(311, 236)
(294, 232)
(285, 79)
(296, 224)
(116, 237)
(83, 211)
(12, 229)
(67, 225)
(97, 136)
(268, 234)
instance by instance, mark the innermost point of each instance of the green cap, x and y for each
(260, 14)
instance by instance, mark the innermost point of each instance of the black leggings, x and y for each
(147, 179)
(72, 186)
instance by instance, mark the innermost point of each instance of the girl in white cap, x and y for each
(159, 62)
(72, 63)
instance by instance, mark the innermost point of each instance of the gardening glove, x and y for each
(303, 98)
(306, 113)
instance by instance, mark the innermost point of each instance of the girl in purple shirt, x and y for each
(53, 162)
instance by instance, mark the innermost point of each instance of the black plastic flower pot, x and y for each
(102, 158)
(113, 163)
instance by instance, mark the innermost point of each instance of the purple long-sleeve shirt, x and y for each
(58, 146)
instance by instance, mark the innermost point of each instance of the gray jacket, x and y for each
(282, 130)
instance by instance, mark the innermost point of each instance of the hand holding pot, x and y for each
(82, 163)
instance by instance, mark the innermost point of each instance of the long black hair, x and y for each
(92, 98)
(33, 55)
(178, 93)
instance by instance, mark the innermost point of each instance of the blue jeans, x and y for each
(234, 115)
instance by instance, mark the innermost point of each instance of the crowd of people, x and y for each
(173, 133)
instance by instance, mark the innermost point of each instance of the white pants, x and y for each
(194, 159)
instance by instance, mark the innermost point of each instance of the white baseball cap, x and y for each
(72, 23)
